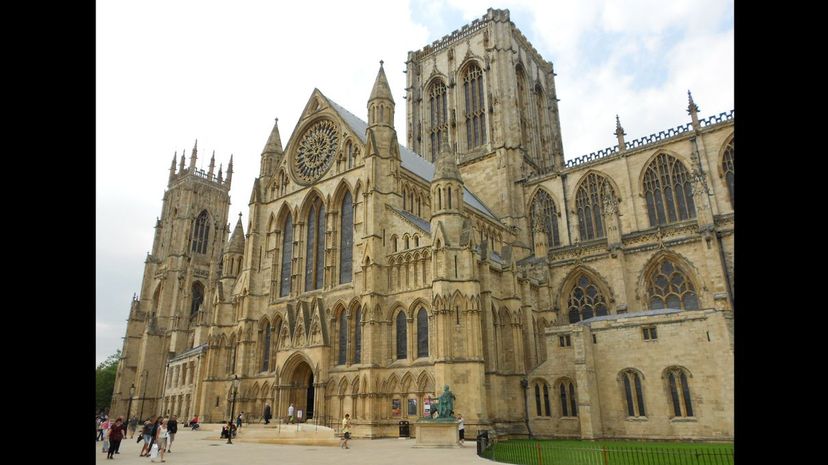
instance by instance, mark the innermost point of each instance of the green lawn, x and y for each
(572, 452)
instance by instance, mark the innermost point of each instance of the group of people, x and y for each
(111, 433)
(158, 432)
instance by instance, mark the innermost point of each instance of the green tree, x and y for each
(105, 381)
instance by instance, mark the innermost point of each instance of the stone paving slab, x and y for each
(203, 447)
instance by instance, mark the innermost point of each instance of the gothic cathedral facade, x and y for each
(587, 298)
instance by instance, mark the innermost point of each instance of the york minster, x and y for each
(595, 294)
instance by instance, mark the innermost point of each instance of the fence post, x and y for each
(540, 456)
(604, 453)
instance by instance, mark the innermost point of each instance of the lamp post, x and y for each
(524, 383)
(235, 384)
(144, 375)
(129, 406)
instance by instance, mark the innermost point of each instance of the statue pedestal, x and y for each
(443, 434)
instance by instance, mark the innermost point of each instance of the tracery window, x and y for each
(422, 333)
(439, 112)
(668, 191)
(589, 204)
(633, 393)
(728, 168)
(402, 337)
(679, 392)
(346, 240)
(669, 287)
(201, 231)
(287, 256)
(586, 300)
(315, 256)
(475, 106)
(543, 210)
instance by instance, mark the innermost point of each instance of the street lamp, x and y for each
(144, 375)
(129, 407)
(524, 383)
(235, 384)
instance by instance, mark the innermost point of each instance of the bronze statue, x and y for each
(446, 406)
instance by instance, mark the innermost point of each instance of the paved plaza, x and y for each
(203, 447)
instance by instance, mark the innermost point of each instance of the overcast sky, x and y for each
(169, 72)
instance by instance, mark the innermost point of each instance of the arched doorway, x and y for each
(302, 392)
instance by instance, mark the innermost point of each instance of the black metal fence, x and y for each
(550, 453)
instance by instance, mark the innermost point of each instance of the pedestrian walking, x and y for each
(346, 431)
(172, 428)
(116, 433)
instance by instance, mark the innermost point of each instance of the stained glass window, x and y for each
(543, 210)
(201, 231)
(589, 204)
(402, 337)
(422, 333)
(475, 106)
(668, 191)
(586, 300)
(347, 240)
(669, 287)
(287, 256)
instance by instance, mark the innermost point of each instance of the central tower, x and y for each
(493, 95)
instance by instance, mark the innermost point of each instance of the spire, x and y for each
(381, 88)
(212, 165)
(445, 167)
(181, 166)
(219, 175)
(194, 156)
(236, 243)
(619, 133)
(172, 166)
(230, 170)
(274, 142)
(693, 110)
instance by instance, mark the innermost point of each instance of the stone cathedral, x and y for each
(585, 298)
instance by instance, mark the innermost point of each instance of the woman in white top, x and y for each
(161, 439)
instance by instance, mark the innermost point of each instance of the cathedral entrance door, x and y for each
(302, 390)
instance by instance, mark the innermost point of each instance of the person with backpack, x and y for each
(172, 428)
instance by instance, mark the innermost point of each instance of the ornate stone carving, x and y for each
(315, 151)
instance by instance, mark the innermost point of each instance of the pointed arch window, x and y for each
(669, 287)
(351, 153)
(588, 203)
(201, 232)
(315, 256)
(266, 347)
(346, 264)
(540, 112)
(287, 257)
(358, 336)
(682, 405)
(567, 394)
(633, 393)
(729, 169)
(439, 111)
(422, 333)
(523, 98)
(198, 297)
(537, 399)
(475, 106)
(402, 337)
(586, 300)
(546, 400)
(343, 338)
(544, 211)
(668, 191)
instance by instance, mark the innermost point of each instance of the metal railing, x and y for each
(549, 453)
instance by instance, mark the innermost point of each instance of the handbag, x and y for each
(140, 438)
